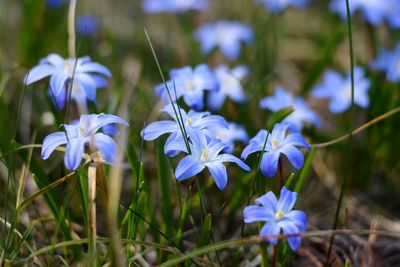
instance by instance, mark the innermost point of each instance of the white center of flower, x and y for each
(279, 215)
(189, 86)
(275, 144)
(204, 155)
(81, 130)
(188, 121)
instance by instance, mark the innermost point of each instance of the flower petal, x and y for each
(269, 229)
(218, 172)
(188, 167)
(269, 163)
(231, 158)
(106, 145)
(87, 84)
(254, 213)
(39, 72)
(269, 201)
(294, 155)
(290, 228)
(94, 67)
(57, 83)
(51, 142)
(286, 200)
(102, 119)
(158, 128)
(74, 153)
(298, 217)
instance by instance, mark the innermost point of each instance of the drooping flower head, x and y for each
(227, 35)
(389, 62)
(276, 6)
(228, 135)
(278, 216)
(337, 89)
(76, 136)
(205, 152)
(301, 112)
(230, 86)
(191, 121)
(373, 11)
(173, 6)
(190, 84)
(279, 141)
(87, 77)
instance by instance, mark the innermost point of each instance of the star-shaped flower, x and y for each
(279, 216)
(85, 132)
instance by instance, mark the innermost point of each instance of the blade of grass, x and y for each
(350, 126)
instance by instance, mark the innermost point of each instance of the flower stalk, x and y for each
(92, 211)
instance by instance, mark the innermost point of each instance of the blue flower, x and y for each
(88, 77)
(276, 6)
(389, 62)
(228, 136)
(87, 25)
(205, 153)
(229, 81)
(85, 132)
(173, 6)
(301, 112)
(190, 84)
(373, 11)
(338, 90)
(280, 141)
(279, 216)
(192, 121)
(227, 35)
(54, 4)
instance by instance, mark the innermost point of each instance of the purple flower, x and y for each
(227, 35)
(173, 6)
(279, 216)
(337, 89)
(205, 153)
(88, 77)
(229, 81)
(373, 11)
(301, 112)
(192, 121)
(280, 141)
(87, 25)
(228, 136)
(276, 6)
(85, 132)
(190, 84)
(389, 62)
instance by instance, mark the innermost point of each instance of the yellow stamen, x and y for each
(279, 214)
(204, 155)
(189, 85)
(274, 144)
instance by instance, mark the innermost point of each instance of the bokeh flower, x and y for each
(85, 132)
(229, 86)
(279, 216)
(190, 84)
(227, 35)
(228, 135)
(173, 6)
(301, 112)
(337, 89)
(389, 62)
(373, 11)
(87, 25)
(276, 6)
(87, 77)
(279, 141)
(205, 153)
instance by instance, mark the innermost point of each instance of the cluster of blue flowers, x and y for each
(206, 140)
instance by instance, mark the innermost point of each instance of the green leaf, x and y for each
(205, 231)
